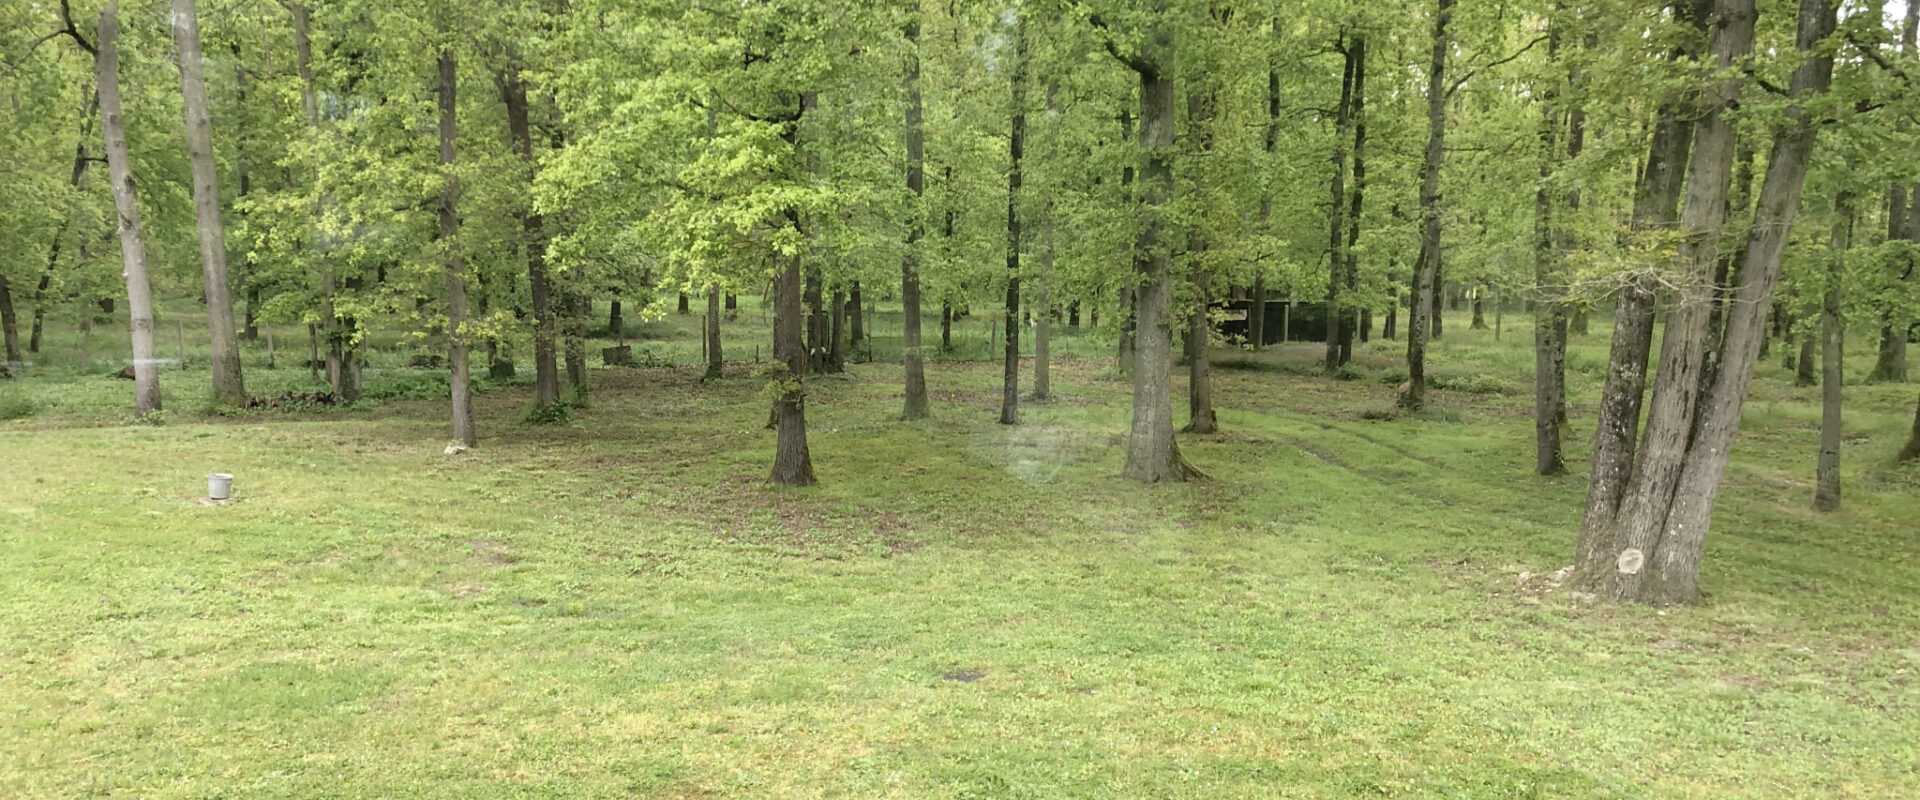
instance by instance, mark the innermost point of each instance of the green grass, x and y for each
(620, 606)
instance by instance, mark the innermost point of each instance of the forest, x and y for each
(687, 398)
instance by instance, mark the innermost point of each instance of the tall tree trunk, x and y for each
(245, 280)
(1336, 208)
(1201, 419)
(133, 238)
(546, 372)
(1826, 490)
(576, 306)
(1639, 524)
(1426, 306)
(1803, 365)
(1257, 313)
(1655, 208)
(228, 387)
(455, 266)
(817, 333)
(1016, 145)
(1550, 312)
(837, 339)
(1903, 222)
(1358, 112)
(856, 329)
(616, 322)
(1666, 569)
(1043, 294)
(685, 308)
(792, 462)
(79, 171)
(1911, 450)
(716, 361)
(915, 404)
(1125, 356)
(1152, 453)
(946, 327)
(9, 326)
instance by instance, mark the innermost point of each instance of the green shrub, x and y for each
(1468, 382)
(1393, 376)
(548, 414)
(1351, 372)
(16, 406)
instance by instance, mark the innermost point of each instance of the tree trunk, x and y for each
(817, 333)
(1201, 419)
(684, 308)
(1358, 112)
(1124, 356)
(1803, 368)
(1664, 568)
(855, 327)
(716, 360)
(79, 171)
(1626, 569)
(1550, 313)
(1043, 294)
(946, 327)
(1336, 208)
(546, 372)
(733, 307)
(1152, 453)
(455, 266)
(837, 338)
(1656, 200)
(1426, 306)
(1016, 145)
(133, 238)
(792, 463)
(616, 322)
(1826, 491)
(573, 338)
(9, 326)
(915, 404)
(228, 387)
(1911, 451)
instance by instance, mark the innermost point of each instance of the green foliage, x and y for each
(548, 414)
(16, 404)
(1469, 382)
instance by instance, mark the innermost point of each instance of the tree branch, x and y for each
(1134, 63)
(1469, 74)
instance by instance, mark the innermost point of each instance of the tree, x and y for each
(228, 386)
(451, 258)
(1152, 454)
(913, 361)
(1425, 288)
(1826, 492)
(1651, 550)
(133, 238)
(1016, 145)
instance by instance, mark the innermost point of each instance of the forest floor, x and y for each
(622, 606)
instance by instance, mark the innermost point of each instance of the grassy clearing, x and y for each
(621, 606)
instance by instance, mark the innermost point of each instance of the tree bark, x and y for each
(1425, 315)
(1043, 294)
(1016, 145)
(616, 322)
(1152, 453)
(546, 372)
(1125, 356)
(9, 326)
(1826, 490)
(1358, 112)
(716, 360)
(228, 387)
(1336, 209)
(1550, 313)
(133, 238)
(1666, 569)
(1803, 366)
(792, 462)
(855, 328)
(1656, 199)
(1911, 450)
(452, 261)
(1201, 419)
(915, 404)
(837, 339)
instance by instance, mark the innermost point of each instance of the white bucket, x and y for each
(219, 486)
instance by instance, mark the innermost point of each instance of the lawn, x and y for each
(622, 606)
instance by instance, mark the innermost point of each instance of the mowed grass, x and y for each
(622, 606)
